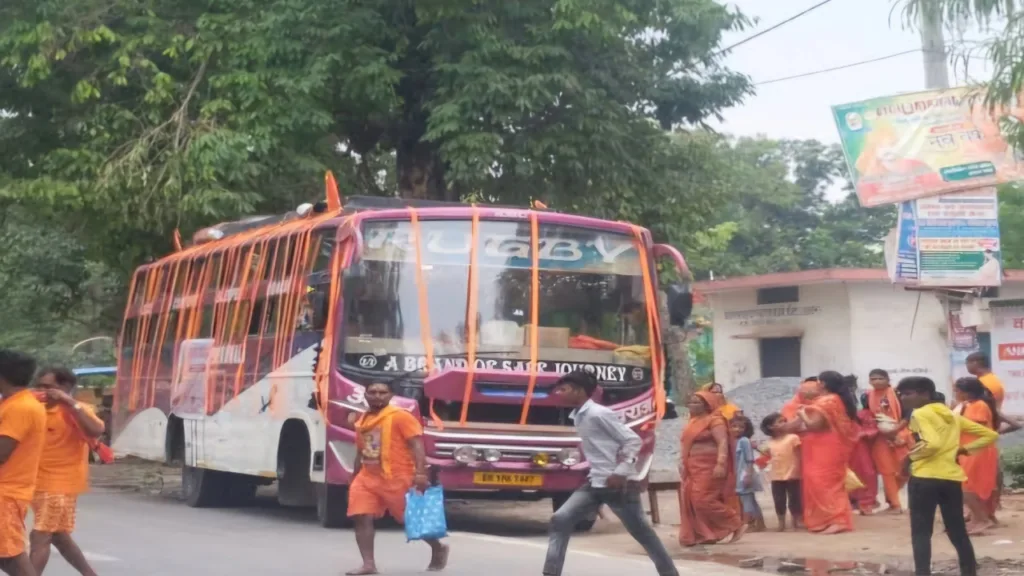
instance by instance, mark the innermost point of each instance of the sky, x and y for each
(838, 33)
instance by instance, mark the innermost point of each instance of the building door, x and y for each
(780, 357)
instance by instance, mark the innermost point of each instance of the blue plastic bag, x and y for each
(424, 515)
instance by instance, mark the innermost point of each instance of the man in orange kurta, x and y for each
(22, 434)
(390, 460)
(63, 470)
(887, 451)
(979, 366)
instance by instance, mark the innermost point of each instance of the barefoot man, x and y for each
(22, 434)
(390, 460)
(63, 470)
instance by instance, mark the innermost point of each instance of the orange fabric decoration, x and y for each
(471, 314)
(534, 313)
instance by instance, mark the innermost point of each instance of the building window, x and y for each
(780, 295)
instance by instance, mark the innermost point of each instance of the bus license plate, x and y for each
(507, 479)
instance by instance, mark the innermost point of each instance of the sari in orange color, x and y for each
(981, 467)
(707, 509)
(888, 454)
(824, 455)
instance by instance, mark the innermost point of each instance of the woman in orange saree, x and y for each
(826, 445)
(981, 467)
(707, 491)
(727, 409)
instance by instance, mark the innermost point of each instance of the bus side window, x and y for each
(206, 322)
(256, 320)
(325, 249)
(128, 334)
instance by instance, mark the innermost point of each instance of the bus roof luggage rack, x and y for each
(364, 203)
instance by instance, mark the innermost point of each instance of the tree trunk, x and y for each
(420, 171)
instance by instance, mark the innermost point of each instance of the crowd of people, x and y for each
(824, 454)
(827, 449)
(45, 440)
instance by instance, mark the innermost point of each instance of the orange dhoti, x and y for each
(12, 527)
(706, 508)
(888, 461)
(374, 495)
(54, 513)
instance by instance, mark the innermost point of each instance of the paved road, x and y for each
(128, 534)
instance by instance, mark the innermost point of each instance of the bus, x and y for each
(244, 356)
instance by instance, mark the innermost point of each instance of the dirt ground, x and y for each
(880, 544)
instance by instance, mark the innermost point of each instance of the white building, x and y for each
(849, 320)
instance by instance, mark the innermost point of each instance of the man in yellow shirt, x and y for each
(63, 470)
(979, 366)
(935, 476)
(22, 434)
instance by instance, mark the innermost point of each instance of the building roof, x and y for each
(805, 277)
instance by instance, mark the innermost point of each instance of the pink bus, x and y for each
(244, 357)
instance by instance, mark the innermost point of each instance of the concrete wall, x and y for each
(823, 313)
(898, 330)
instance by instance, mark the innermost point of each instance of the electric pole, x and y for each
(933, 46)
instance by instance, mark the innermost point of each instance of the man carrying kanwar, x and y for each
(390, 460)
(71, 428)
(22, 435)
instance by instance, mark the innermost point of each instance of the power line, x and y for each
(775, 27)
(837, 68)
(850, 65)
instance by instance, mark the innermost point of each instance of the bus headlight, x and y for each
(491, 455)
(465, 455)
(569, 457)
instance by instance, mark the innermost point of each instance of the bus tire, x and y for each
(584, 525)
(203, 488)
(332, 505)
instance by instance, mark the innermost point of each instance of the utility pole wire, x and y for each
(775, 27)
(837, 68)
(845, 66)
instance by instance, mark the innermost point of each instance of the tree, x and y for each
(123, 120)
(779, 219)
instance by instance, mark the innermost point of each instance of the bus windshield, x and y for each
(592, 311)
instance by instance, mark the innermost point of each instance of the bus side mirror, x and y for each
(680, 304)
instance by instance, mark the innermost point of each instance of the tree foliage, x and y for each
(779, 218)
(122, 120)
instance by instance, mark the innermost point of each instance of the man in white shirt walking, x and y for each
(611, 449)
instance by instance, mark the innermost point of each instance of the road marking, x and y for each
(94, 557)
(691, 567)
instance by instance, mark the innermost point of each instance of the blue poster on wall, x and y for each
(906, 244)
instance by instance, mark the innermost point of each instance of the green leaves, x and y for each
(124, 120)
(778, 218)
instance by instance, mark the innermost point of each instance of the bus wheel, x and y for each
(202, 488)
(332, 505)
(584, 525)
